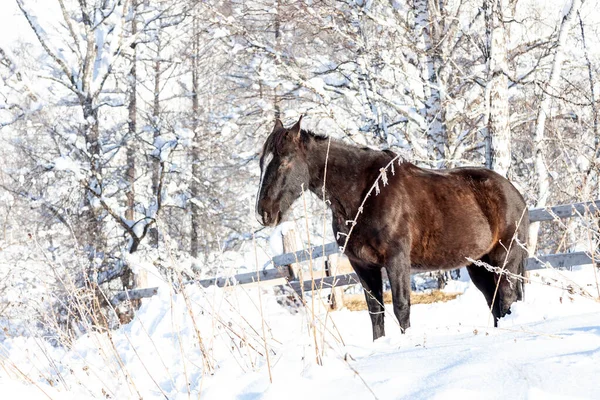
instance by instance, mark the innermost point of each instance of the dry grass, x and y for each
(356, 302)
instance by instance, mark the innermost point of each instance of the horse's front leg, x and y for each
(373, 288)
(398, 270)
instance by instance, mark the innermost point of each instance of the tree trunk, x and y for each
(132, 124)
(196, 218)
(541, 171)
(277, 27)
(497, 132)
(140, 280)
(156, 115)
(366, 83)
(431, 59)
(156, 161)
(93, 232)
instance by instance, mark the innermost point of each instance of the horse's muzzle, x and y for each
(268, 213)
(268, 219)
(271, 219)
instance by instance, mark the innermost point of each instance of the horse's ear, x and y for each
(295, 130)
(278, 125)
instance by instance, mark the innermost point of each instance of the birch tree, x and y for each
(549, 88)
(497, 128)
(429, 24)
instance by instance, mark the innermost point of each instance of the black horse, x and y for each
(395, 215)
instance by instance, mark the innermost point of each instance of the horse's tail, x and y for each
(522, 278)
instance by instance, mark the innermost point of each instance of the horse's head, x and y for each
(283, 171)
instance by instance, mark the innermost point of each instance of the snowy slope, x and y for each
(556, 358)
(548, 348)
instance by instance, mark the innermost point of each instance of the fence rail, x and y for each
(561, 260)
(563, 211)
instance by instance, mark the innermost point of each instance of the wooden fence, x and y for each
(281, 262)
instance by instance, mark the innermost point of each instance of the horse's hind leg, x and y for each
(511, 285)
(501, 289)
(373, 287)
(485, 281)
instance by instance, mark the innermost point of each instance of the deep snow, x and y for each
(548, 348)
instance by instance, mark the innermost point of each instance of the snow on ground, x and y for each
(548, 348)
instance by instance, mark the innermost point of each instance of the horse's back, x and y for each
(493, 192)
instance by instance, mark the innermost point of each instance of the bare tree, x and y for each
(543, 111)
(94, 56)
(591, 182)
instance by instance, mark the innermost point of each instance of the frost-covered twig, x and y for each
(207, 361)
(262, 316)
(375, 187)
(313, 325)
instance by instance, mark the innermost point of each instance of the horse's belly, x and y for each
(453, 251)
(416, 268)
(428, 265)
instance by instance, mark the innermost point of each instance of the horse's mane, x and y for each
(350, 147)
(315, 136)
(276, 143)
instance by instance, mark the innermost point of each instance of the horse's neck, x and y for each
(346, 177)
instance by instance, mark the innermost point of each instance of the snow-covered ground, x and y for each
(548, 348)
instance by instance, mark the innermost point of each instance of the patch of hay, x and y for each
(356, 302)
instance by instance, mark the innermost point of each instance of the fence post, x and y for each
(290, 246)
(336, 298)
